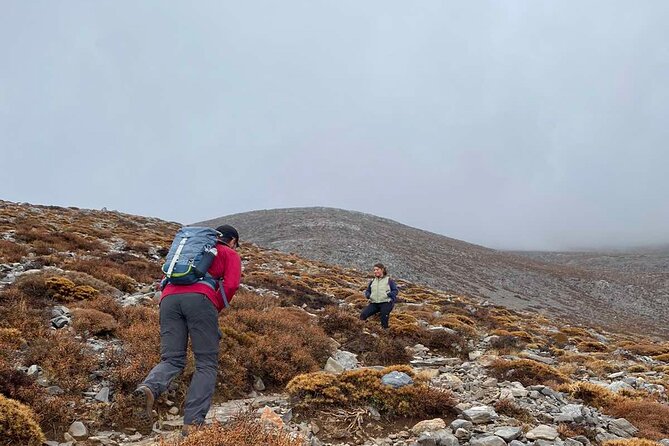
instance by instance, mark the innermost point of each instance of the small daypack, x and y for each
(190, 256)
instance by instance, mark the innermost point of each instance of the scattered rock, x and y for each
(480, 414)
(396, 379)
(428, 426)
(78, 430)
(542, 432)
(508, 433)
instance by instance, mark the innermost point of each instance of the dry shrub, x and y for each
(10, 338)
(93, 322)
(592, 346)
(11, 252)
(123, 283)
(664, 357)
(648, 415)
(64, 359)
(140, 334)
(293, 291)
(570, 430)
(107, 304)
(18, 424)
(46, 286)
(241, 431)
(526, 371)
(576, 331)
(362, 387)
(137, 269)
(47, 241)
(506, 343)
(459, 323)
(340, 324)
(509, 408)
(645, 349)
(274, 344)
(17, 313)
(631, 442)
(637, 368)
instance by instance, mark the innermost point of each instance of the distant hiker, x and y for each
(192, 310)
(382, 293)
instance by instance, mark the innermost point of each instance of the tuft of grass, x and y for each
(363, 387)
(93, 322)
(526, 371)
(18, 424)
(243, 430)
(513, 410)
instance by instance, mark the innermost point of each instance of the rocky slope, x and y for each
(636, 299)
(79, 330)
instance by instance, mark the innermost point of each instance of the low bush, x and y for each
(526, 371)
(362, 387)
(18, 424)
(511, 409)
(591, 346)
(93, 322)
(241, 431)
(631, 442)
(11, 252)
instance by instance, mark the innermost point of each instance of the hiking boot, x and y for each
(188, 429)
(143, 405)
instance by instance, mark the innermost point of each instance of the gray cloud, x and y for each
(532, 125)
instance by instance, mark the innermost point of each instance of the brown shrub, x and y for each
(506, 344)
(46, 286)
(275, 345)
(511, 409)
(11, 252)
(122, 282)
(64, 359)
(93, 322)
(526, 371)
(631, 442)
(18, 424)
(645, 349)
(241, 431)
(592, 346)
(363, 387)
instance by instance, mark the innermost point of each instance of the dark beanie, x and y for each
(228, 233)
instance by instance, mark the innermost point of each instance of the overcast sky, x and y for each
(528, 125)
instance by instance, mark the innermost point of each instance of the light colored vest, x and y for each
(380, 288)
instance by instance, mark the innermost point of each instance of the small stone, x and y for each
(258, 384)
(462, 434)
(269, 417)
(174, 410)
(623, 428)
(78, 430)
(461, 424)
(491, 440)
(54, 390)
(480, 414)
(103, 395)
(33, 370)
(396, 379)
(333, 366)
(508, 433)
(347, 360)
(542, 432)
(428, 426)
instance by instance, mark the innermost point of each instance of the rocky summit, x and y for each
(297, 366)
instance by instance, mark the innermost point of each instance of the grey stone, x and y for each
(616, 375)
(333, 366)
(103, 395)
(60, 310)
(582, 439)
(426, 439)
(535, 357)
(54, 390)
(444, 437)
(33, 370)
(544, 443)
(461, 424)
(78, 430)
(396, 379)
(508, 433)
(435, 362)
(665, 441)
(316, 442)
(60, 321)
(258, 384)
(617, 386)
(542, 432)
(570, 413)
(491, 440)
(480, 414)
(347, 360)
(462, 434)
(428, 426)
(572, 442)
(622, 428)
(516, 443)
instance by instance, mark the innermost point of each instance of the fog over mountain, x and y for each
(515, 125)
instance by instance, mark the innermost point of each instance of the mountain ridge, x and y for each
(357, 240)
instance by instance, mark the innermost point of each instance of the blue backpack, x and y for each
(191, 254)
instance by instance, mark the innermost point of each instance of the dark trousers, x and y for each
(182, 315)
(384, 308)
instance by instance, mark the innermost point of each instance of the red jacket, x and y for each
(227, 265)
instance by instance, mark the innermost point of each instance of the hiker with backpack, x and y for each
(202, 274)
(381, 293)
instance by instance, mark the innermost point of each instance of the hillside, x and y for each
(636, 299)
(79, 329)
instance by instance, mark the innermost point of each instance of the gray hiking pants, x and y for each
(182, 315)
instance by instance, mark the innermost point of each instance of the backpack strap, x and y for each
(182, 243)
